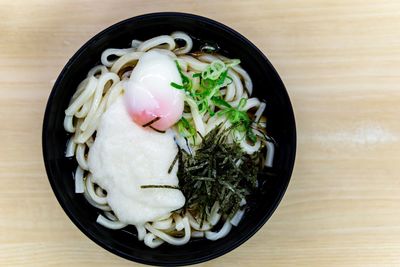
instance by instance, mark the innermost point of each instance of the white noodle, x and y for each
(182, 63)
(114, 52)
(170, 239)
(90, 189)
(97, 71)
(115, 225)
(198, 121)
(215, 216)
(163, 41)
(249, 148)
(83, 111)
(115, 92)
(226, 228)
(208, 58)
(259, 112)
(126, 75)
(79, 186)
(135, 44)
(188, 42)
(103, 79)
(141, 232)
(162, 225)
(197, 234)
(93, 203)
(90, 141)
(179, 225)
(110, 216)
(100, 192)
(127, 59)
(247, 80)
(270, 154)
(71, 146)
(246, 77)
(237, 217)
(81, 158)
(193, 63)
(68, 124)
(81, 87)
(196, 225)
(82, 98)
(152, 241)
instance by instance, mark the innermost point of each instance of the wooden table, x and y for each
(340, 60)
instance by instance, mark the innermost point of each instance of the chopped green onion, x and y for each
(220, 102)
(212, 79)
(177, 86)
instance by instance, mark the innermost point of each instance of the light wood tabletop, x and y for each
(340, 61)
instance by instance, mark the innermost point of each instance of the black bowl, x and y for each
(267, 86)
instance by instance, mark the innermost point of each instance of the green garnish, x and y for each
(214, 70)
(186, 82)
(219, 171)
(185, 129)
(212, 80)
(177, 86)
(219, 102)
(237, 117)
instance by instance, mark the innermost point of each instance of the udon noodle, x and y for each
(100, 89)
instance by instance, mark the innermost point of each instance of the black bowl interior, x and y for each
(268, 86)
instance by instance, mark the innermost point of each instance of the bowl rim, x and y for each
(76, 220)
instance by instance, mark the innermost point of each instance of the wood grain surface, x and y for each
(340, 61)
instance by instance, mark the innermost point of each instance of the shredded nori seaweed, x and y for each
(160, 186)
(151, 122)
(219, 171)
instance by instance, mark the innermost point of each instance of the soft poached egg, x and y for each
(149, 94)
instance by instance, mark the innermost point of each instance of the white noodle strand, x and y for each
(71, 147)
(81, 158)
(226, 228)
(152, 241)
(79, 186)
(193, 63)
(270, 154)
(69, 124)
(188, 42)
(115, 225)
(170, 239)
(82, 98)
(141, 231)
(237, 217)
(114, 52)
(90, 189)
(103, 79)
(125, 60)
